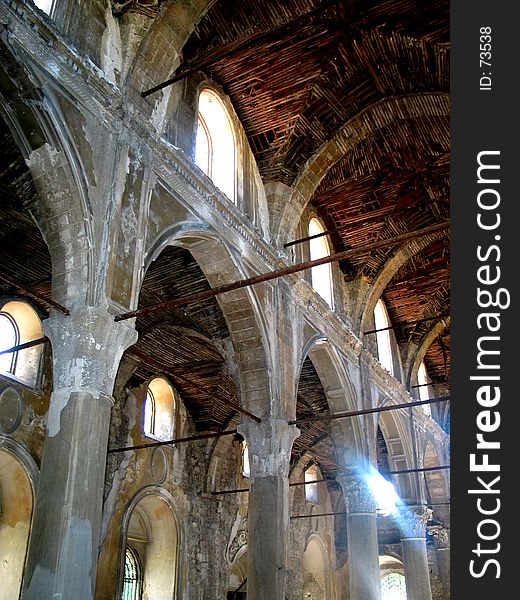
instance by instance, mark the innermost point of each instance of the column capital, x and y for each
(413, 520)
(270, 444)
(358, 495)
(87, 347)
(441, 536)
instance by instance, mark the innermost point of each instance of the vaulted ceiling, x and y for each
(302, 73)
(299, 72)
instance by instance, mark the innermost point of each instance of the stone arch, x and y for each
(18, 481)
(165, 543)
(436, 482)
(63, 213)
(316, 568)
(238, 571)
(241, 308)
(400, 445)
(382, 113)
(415, 355)
(390, 268)
(340, 392)
(166, 36)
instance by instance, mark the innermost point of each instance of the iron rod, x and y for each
(296, 483)
(399, 239)
(367, 411)
(404, 325)
(38, 342)
(399, 472)
(186, 70)
(32, 294)
(316, 235)
(310, 516)
(193, 438)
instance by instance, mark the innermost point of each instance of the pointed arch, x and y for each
(363, 125)
(152, 530)
(240, 308)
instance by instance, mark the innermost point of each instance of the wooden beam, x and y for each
(399, 239)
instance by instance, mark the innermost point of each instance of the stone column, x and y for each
(441, 538)
(413, 541)
(270, 444)
(362, 544)
(63, 549)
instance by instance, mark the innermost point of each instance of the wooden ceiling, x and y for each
(293, 91)
(299, 71)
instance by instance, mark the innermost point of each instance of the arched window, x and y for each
(159, 410)
(246, 467)
(9, 337)
(133, 576)
(20, 323)
(16, 507)
(321, 276)
(215, 148)
(424, 388)
(45, 5)
(311, 489)
(393, 587)
(384, 346)
(150, 553)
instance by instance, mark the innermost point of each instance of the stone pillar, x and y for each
(441, 538)
(270, 444)
(362, 544)
(63, 550)
(413, 541)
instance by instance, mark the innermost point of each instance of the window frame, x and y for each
(213, 146)
(154, 400)
(383, 339)
(26, 320)
(11, 371)
(311, 489)
(402, 585)
(137, 592)
(320, 248)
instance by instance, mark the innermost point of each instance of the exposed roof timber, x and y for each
(176, 375)
(11, 281)
(198, 64)
(405, 325)
(440, 227)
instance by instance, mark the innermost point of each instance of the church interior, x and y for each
(224, 300)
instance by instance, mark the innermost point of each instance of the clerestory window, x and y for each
(133, 576)
(311, 489)
(424, 390)
(384, 345)
(321, 276)
(159, 410)
(215, 147)
(19, 324)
